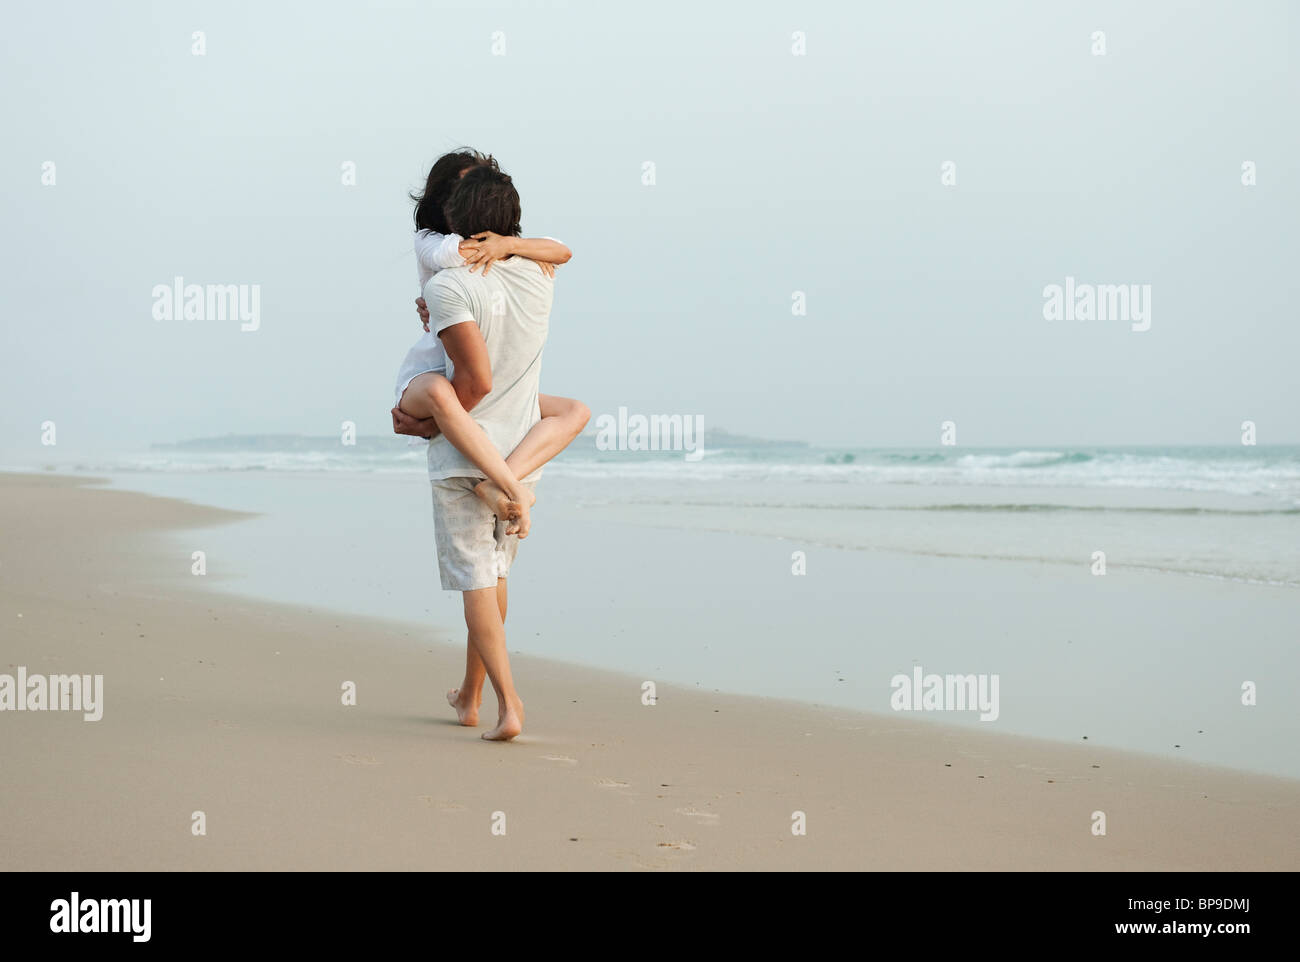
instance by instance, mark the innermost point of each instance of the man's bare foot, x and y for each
(466, 711)
(509, 723)
(514, 512)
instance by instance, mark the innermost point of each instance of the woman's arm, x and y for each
(546, 249)
(488, 247)
(437, 252)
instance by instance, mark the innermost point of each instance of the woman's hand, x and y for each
(422, 309)
(547, 269)
(483, 249)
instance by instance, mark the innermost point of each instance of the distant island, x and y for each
(277, 442)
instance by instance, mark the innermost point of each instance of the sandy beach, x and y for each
(233, 708)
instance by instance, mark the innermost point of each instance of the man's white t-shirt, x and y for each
(433, 252)
(512, 307)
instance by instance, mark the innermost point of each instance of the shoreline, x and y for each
(690, 586)
(228, 705)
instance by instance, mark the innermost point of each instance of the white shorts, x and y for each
(473, 548)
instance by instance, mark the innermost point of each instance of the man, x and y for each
(493, 326)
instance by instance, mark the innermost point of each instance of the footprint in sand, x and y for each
(217, 723)
(612, 783)
(357, 759)
(707, 818)
(682, 846)
(562, 759)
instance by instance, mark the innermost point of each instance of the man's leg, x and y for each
(487, 636)
(469, 696)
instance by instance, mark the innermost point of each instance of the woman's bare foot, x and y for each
(523, 521)
(510, 723)
(514, 511)
(466, 711)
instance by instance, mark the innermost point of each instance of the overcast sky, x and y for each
(774, 173)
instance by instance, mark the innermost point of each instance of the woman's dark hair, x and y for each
(442, 178)
(484, 199)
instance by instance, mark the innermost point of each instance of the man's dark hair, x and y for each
(443, 176)
(484, 199)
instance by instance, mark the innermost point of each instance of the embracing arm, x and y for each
(488, 247)
(471, 379)
(437, 252)
(546, 249)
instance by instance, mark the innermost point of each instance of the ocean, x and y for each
(1270, 472)
(1229, 512)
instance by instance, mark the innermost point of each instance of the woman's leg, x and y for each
(431, 395)
(562, 420)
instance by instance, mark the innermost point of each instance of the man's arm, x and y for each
(472, 377)
(461, 338)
